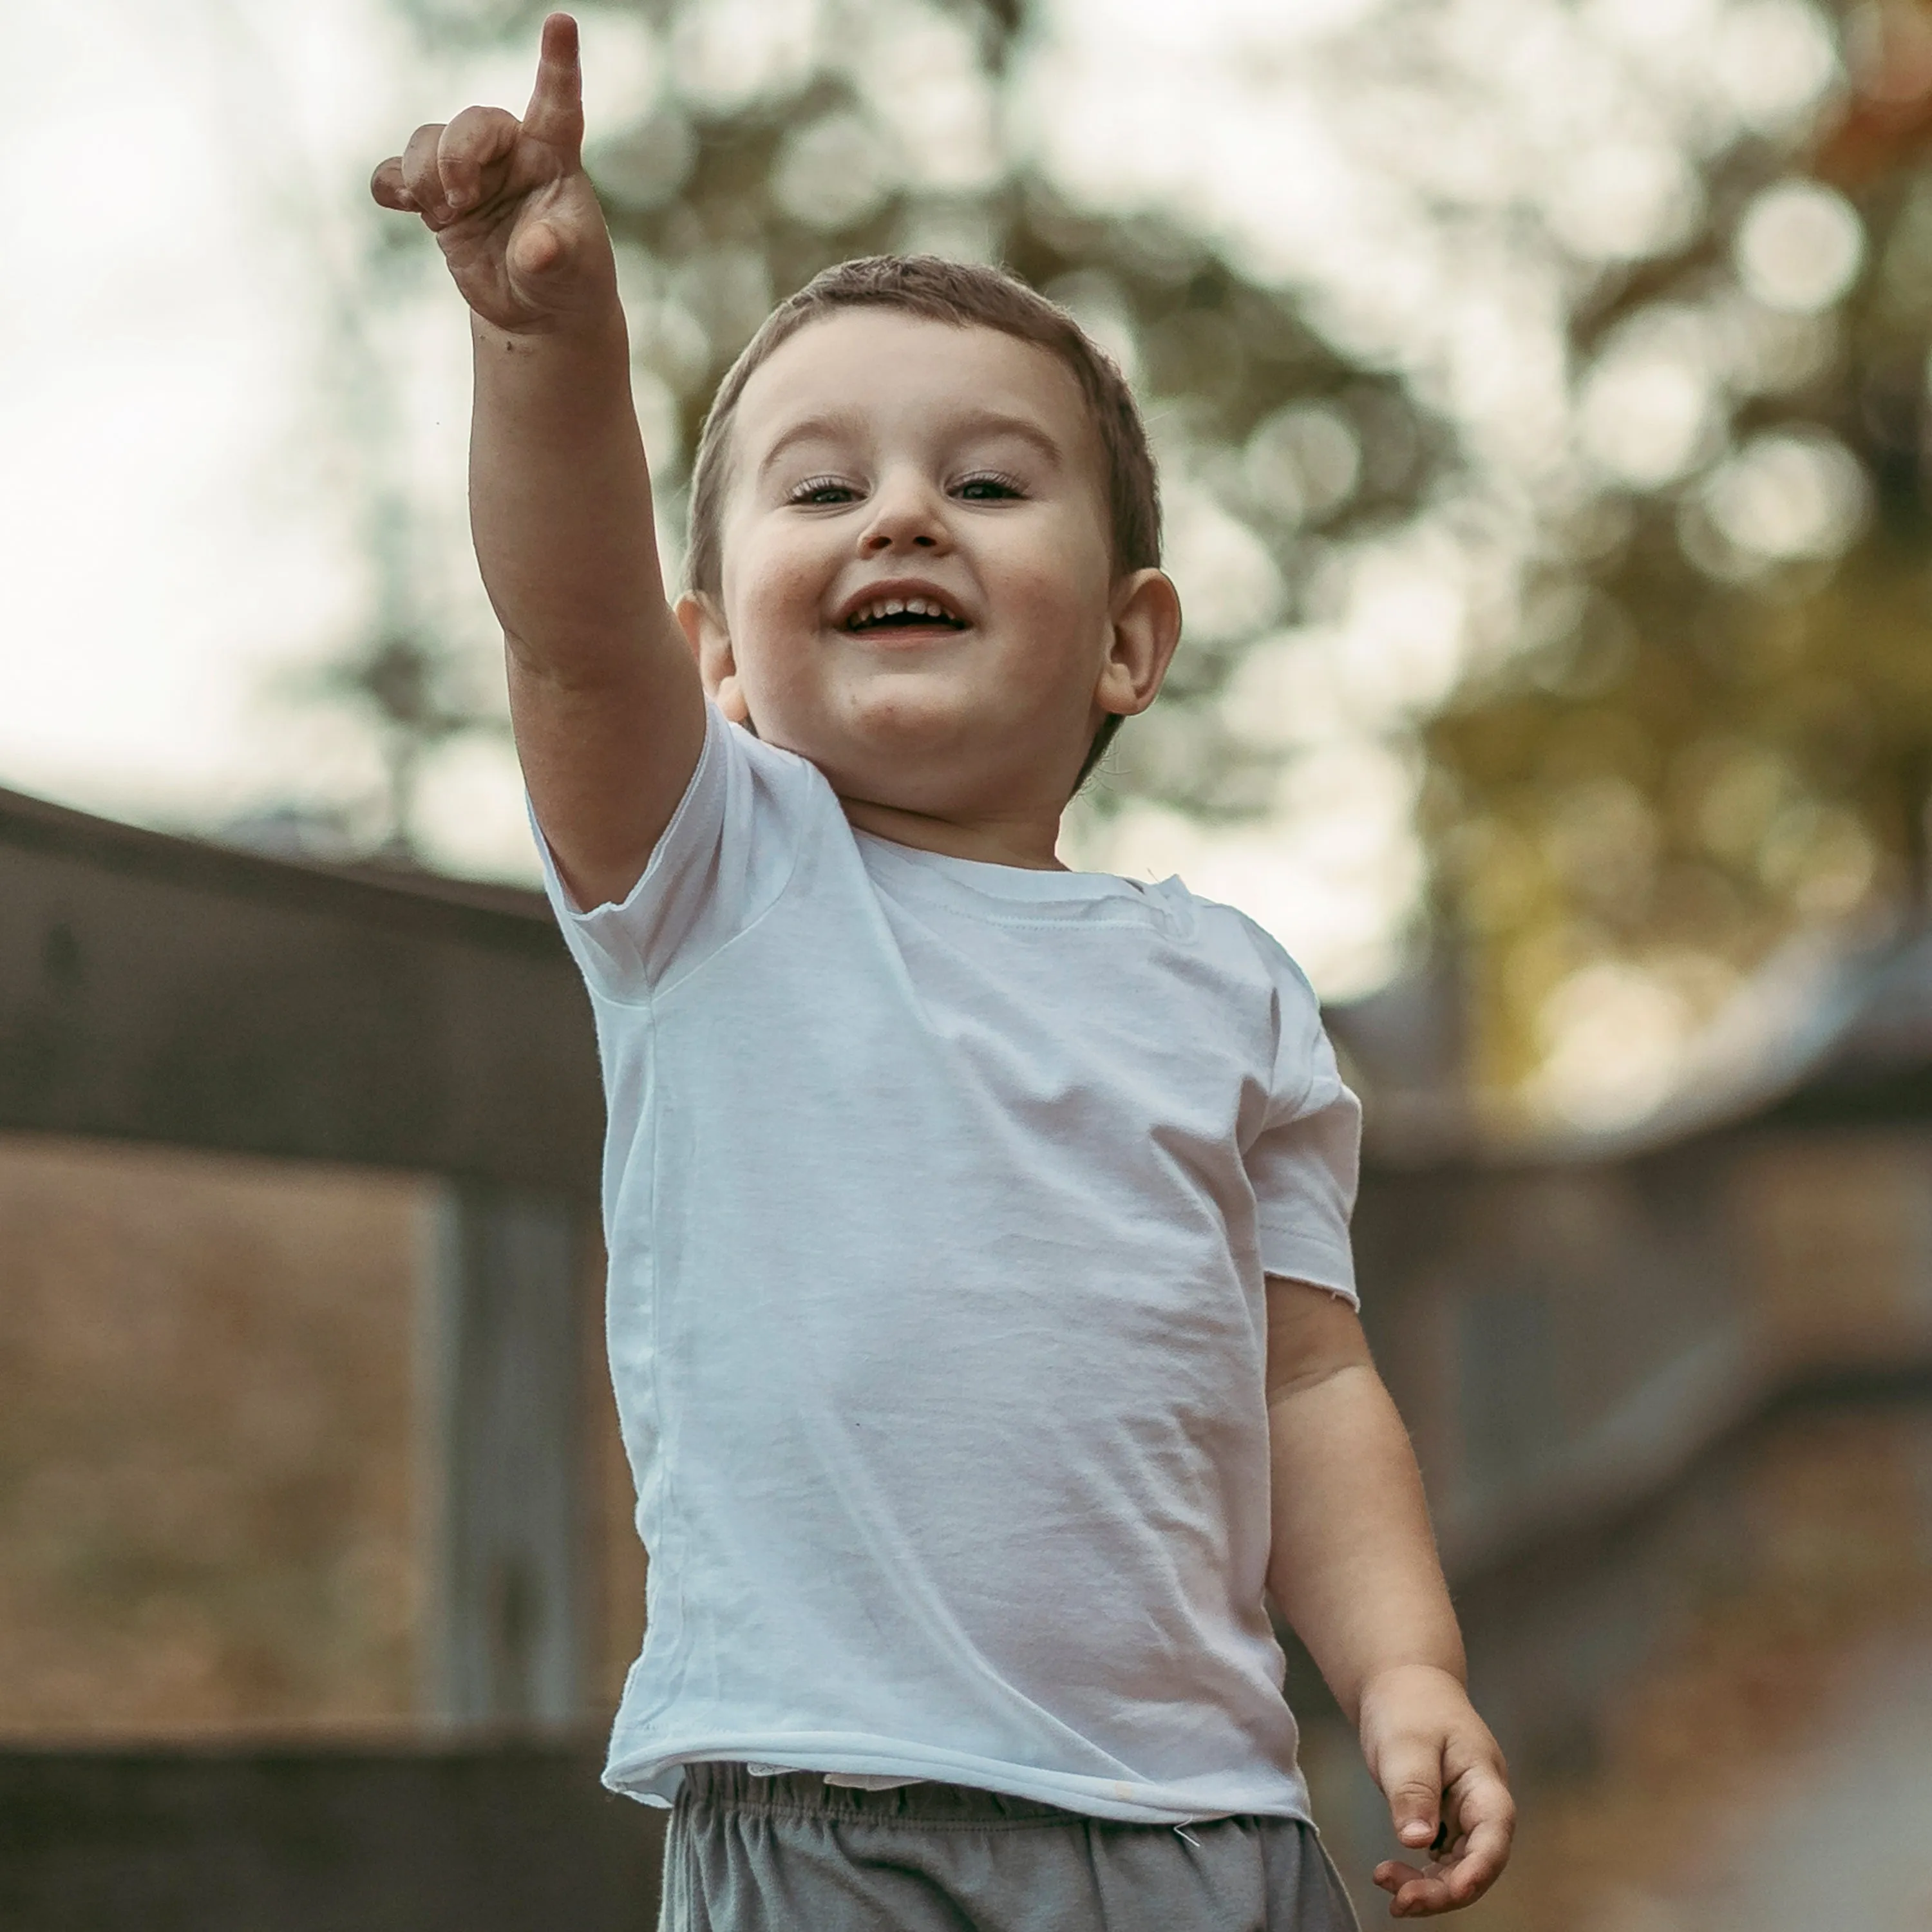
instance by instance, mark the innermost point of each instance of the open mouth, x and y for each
(904, 614)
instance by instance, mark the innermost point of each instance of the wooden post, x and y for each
(505, 1351)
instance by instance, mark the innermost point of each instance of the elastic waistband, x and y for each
(730, 1786)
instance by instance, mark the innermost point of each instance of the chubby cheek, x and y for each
(773, 612)
(1060, 631)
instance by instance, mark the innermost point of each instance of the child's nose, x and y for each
(905, 517)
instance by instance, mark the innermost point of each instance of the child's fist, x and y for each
(509, 200)
(1448, 1789)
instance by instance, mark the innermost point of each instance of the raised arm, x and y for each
(604, 695)
(1354, 1569)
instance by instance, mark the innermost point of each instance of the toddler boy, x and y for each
(981, 1315)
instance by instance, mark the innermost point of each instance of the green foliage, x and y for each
(1699, 749)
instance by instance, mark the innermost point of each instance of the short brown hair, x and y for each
(967, 296)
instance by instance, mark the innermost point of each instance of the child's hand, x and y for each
(1447, 1788)
(508, 199)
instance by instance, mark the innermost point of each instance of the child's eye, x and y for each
(989, 486)
(817, 491)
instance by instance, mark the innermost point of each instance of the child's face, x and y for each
(879, 456)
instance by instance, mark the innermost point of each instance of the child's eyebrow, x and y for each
(827, 427)
(834, 425)
(996, 422)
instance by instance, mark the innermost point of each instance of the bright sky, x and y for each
(180, 538)
(151, 377)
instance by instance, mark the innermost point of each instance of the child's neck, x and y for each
(1028, 841)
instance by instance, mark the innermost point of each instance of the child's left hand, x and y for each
(1446, 1787)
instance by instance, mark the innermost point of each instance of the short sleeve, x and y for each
(721, 863)
(1305, 1162)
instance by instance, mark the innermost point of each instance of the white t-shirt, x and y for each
(939, 1197)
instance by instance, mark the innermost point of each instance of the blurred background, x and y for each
(1541, 392)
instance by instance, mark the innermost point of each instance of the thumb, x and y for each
(1411, 1777)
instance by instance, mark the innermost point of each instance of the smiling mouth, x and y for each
(904, 615)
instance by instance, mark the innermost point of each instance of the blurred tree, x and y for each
(402, 673)
(1716, 729)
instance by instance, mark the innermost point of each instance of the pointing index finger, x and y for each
(555, 116)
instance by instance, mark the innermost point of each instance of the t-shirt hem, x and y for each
(1293, 1255)
(654, 1779)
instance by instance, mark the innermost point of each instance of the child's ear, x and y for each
(702, 624)
(1146, 618)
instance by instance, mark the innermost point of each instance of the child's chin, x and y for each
(914, 717)
(911, 756)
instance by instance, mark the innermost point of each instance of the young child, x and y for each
(981, 1315)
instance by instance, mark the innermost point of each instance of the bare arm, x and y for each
(604, 694)
(1354, 1569)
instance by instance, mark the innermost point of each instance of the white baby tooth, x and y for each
(883, 609)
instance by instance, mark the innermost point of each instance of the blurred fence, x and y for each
(157, 990)
(1564, 1333)
(438, 1838)
(1600, 1353)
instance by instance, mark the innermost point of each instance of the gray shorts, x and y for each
(794, 1854)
